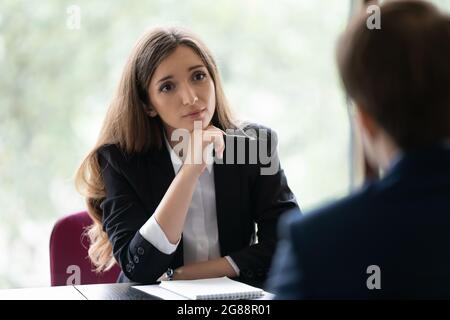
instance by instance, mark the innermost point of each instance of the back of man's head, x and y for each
(400, 74)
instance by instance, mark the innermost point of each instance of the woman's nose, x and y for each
(188, 96)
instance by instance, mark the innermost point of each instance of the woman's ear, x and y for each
(151, 112)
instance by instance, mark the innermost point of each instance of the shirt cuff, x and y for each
(233, 265)
(152, 232)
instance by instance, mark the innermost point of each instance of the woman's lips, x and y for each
(195, 114)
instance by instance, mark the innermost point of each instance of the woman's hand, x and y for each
(197, 152)
(171, 211)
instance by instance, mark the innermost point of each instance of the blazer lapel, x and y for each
(227, 181)
(162, 173)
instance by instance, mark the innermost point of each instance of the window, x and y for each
(61, 63)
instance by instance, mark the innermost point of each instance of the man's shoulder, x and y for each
(333, 217)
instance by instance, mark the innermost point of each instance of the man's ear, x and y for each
(366, 122)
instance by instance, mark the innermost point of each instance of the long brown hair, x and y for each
(128, 126)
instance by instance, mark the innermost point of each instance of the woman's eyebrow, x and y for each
(189, 69)
(196, 66)
(164, 79)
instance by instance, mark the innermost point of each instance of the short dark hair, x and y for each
(400, 74)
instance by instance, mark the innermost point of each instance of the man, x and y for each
(392, 238)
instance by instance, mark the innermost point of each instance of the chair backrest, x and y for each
(69, 260)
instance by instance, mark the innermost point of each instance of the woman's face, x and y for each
(182, 91)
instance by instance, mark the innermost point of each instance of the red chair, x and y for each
(69, 260)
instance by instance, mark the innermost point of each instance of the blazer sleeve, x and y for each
(123, 216)
(270, 197)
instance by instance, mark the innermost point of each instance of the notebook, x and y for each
(212, 289)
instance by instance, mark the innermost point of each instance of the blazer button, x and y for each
(131, 264)
(128, 267)
(140, 251)
(250, 274)
(136, 259)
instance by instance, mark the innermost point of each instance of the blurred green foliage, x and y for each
(276, 59)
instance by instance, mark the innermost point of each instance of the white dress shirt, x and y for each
(200, 232)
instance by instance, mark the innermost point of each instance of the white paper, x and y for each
(214, 288)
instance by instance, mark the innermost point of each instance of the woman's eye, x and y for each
(166, 87)
(199, 76)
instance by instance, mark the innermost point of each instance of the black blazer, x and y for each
(400, 224)
(135, 185)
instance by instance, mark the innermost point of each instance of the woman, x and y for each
(157, 211)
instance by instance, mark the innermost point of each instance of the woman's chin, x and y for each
(197, 124)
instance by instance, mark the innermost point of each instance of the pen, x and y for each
(238, 136)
